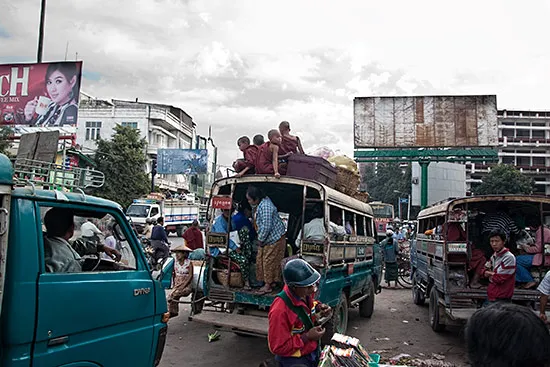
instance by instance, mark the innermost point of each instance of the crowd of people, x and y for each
(269, 157)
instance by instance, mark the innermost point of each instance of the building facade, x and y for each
(524, 142)
(162, 126)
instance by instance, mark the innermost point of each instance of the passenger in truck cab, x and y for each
(290, 144)
(501, 270)
(268, 156)
(314, 228)
(60, 255)
(532, 256)
(246, 165)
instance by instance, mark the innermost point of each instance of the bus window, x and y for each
(360, 225)
(336, 215)
(349, 222)
(369, 227)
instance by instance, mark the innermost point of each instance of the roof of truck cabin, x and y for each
(332, 194)
(66, 197)
(441, 208)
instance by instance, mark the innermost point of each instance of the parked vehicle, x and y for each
(442, 251)
(383, 216)
(350, 265)
(110, 314)
(177, 213)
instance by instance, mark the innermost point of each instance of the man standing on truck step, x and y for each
(502, 270)
(292, 336)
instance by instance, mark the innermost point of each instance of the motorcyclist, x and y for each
(159, 241)
(293, 335)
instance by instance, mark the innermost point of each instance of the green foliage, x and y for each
(5, 143)
(505, 179)
(122, 160)
(387, 178)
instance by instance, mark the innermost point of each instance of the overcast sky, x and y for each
(243, 66)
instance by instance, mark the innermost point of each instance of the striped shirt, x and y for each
(499, 221)
(502, 283)
(544, 286)
(269, 224)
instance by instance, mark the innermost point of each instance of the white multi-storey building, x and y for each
(162, 126)
(524, 142)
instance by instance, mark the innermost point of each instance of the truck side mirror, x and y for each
(165, 275)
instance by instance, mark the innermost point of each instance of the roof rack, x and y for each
(54, 176)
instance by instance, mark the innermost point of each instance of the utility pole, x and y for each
(41, 31)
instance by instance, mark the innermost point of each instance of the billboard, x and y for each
(425, 121)
(182, 161)
(40, 95)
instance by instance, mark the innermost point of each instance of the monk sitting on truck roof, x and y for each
(268, 156)
(290, 144)
(250, 153)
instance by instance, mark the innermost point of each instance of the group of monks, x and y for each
(269, 157)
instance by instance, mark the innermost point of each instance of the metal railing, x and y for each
(55, 176)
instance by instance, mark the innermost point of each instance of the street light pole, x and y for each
(41, 31)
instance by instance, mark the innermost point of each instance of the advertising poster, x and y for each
(40, 95)
(182, 161)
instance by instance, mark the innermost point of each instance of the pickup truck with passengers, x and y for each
(350, 264)
(452, 241)
(107, 314)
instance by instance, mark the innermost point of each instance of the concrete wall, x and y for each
(444, 180)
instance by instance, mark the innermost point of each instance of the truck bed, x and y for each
(246, 324)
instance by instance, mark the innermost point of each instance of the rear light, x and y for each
(160, 344)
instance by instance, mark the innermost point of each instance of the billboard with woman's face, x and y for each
(40, 95)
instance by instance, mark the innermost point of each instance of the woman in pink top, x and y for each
(532, 257)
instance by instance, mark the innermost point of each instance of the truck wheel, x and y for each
(366, 306)
(339, 320)
(179, 231)
(435, 313)
(418, 296)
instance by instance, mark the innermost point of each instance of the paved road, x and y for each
(187, 343)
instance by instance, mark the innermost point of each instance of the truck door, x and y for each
(92, 316)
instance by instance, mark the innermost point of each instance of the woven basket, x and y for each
(236, 279)
(347, 182)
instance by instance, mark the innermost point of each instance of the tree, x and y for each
(387, 178)
(5, 142)
(122, 160)
(505, 179)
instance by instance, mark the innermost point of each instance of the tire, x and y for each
(418, 296)
(435, 314)
(179, 231)
(338, 323)
(366, 306)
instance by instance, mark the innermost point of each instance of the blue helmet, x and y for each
(298, 273)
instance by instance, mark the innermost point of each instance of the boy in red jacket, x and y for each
(502, 270)
(293, 337)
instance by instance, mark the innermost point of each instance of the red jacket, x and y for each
(503, 282)
(193, 237)
(284, 336)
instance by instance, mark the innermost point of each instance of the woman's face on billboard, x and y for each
(59, 88)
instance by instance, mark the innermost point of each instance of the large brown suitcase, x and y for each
(313, 168)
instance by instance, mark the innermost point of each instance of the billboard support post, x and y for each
(424, 184)
(41, 31)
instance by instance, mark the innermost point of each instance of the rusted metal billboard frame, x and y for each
(425, 121)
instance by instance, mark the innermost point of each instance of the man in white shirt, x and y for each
(90, 231)
(315, 228)
(544, 289)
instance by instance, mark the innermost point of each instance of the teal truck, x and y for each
(112, 313)
(349, 262)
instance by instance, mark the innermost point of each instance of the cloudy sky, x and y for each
(242, 66)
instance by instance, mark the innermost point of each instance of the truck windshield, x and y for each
(382, 210)
(138, 211)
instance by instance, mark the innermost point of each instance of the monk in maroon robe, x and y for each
(193, 236)
(290, 144)
(250, 153)
(268, 156)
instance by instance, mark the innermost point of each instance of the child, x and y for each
(290, 144)
(258, 140)
(268, 156)
(183, 276)
(501, 270)
(250, 152)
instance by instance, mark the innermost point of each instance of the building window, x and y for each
(538, 134)
(93, 130)
(508, 160)
(133, 125)
(524, 161)
(509, 133)
(539, 161)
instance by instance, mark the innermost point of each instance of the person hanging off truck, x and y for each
(293, 335)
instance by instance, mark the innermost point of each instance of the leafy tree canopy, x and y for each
(5, 143)
(386, 178)
(122, 159)
(505, 179)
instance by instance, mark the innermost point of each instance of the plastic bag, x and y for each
(323, 152)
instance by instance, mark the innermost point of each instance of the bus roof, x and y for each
(332, 195)
(442, 207)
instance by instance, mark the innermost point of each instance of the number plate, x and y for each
(217, 239)
(313, 248)
(221, 202)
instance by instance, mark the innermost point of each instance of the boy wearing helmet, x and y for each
(292, 335)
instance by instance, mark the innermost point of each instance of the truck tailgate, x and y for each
(247, 324)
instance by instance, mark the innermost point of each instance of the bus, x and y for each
(383, 215)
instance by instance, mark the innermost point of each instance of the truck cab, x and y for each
(106, 313)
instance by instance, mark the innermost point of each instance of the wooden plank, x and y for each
(233, 322)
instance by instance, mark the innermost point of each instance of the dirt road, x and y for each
(395, 318)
